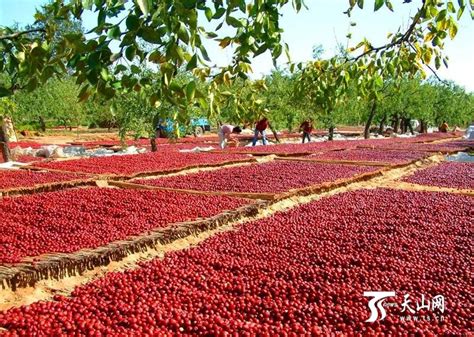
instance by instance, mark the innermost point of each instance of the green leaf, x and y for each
(451, 7)
(204, 53)
(155, 57)
(436, 41)
(460, 13)
(378, 4)
(130, 52)
(150, 35)
(441, 15)
(175, 86)
(5, 92)
(132, 22)
(219, 12)
(120, 68)
(114, 33)
(190, 90)
(445, 61)
(183, 33)
(104, 73)
(360, 3)
(208, 13)
(189, 4)
(453, 30)
(427, 56)
(154, 100)
(192, 63)
(135, 69)
(101, 18)
(233, 22)
(389, 5)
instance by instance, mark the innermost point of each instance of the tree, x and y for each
(172, 29)
(7, 108)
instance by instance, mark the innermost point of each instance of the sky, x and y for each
(322, 23)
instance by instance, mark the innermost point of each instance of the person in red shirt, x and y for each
(307, 128)
(260, 128)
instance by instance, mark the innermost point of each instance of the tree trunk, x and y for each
(423, 127)
(410, 127)
(4, 149)
(369, 120)
(274, 133)
(403, 128)
(42, 124)
(153, 144)
(396, 126)
(331, 133)
(382, 124)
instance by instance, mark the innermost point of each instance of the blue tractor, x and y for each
(196, 127)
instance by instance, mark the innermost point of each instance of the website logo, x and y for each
(376, 304)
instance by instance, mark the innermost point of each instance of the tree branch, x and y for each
(403, 38)
(18, 34)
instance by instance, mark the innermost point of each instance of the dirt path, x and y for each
(44, 290)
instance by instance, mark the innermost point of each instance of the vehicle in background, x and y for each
(196, 127)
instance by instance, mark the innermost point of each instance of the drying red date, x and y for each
(300, 272)
(140, 163)
(276, 176)
(67, 221)
(448, 174)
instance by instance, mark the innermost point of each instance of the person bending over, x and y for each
(260, 128)
(225, 134)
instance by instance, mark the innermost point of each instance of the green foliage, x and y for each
(7, 107)
(56, 103)
(161, 66)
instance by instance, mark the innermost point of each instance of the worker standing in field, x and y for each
(225, 133)
(307, 128)
(260, 128)
(443, 127)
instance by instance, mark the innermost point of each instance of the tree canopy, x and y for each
(166, 38)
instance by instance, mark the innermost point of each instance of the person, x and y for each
(225, 133)
(443, 127)
(307, 128)
(260, 128)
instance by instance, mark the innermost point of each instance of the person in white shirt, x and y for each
(225, 133)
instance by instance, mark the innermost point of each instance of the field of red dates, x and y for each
(375, 155)
(22, 178)
(24, 159)
(447, 174)
(294, 148)
(67, 221)
(440, 147)
(276, 176)
(25, 144)
(298, 272)
(141, 163)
